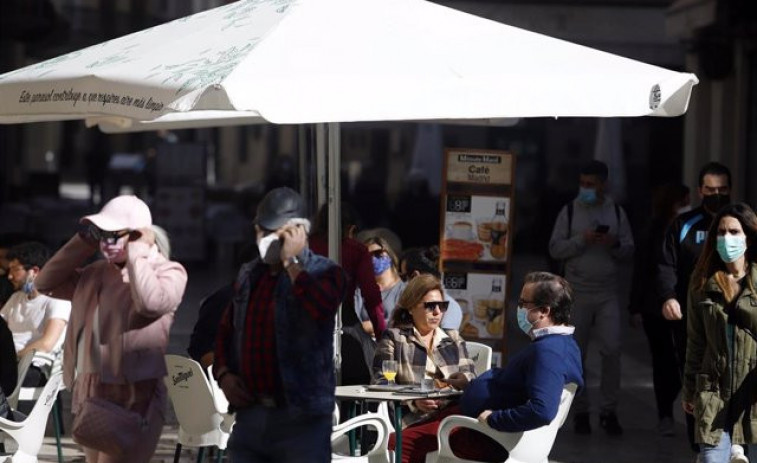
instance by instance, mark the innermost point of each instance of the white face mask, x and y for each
(270, 248)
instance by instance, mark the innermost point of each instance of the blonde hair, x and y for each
(413, 293)
(162, 241)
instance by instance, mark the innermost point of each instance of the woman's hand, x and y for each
(484, 416)
(143, 235)
(688, 407)
(426, 405)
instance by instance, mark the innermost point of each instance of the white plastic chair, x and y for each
(23, 367)
(377, 454)
(481, 354)
(222, 403)
(49, 363)
(200, 421)
(30, 432)
(523, 447)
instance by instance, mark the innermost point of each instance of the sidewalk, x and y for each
(639, 443)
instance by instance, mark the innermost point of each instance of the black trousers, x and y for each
(666, 377)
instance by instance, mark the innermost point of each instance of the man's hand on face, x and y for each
(294, 240)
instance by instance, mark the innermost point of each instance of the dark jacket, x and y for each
(304, 346)
(720, 376)
(643, 297)
(8, 367)
(679, 253)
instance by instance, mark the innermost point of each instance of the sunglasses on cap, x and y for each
(108, 237)
(431, 305)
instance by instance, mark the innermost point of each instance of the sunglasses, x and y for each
(431, 305)
(108, 237)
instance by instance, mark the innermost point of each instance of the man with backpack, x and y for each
(590, 238)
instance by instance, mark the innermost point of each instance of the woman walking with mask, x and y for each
(122, 310)
(721, 359)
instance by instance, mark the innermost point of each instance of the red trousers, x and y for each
(420, 439)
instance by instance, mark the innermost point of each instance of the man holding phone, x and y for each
(592, 236)
(274, 348)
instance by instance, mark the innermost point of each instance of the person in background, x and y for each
(37, 321)
(202, 341)
(417, 261)
(357, 346)
(7, 241)
(274, 355)
(669, 200)
(680, 250)
(721, 355)
(422, 350)
(592, 237)
(387, 277)
(124, 304)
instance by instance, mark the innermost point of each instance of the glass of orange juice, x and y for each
(389, 369)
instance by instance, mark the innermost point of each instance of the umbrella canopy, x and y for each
(306, 61)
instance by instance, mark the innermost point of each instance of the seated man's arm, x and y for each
(544, 386)
(50, 336)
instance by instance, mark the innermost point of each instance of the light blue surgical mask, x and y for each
(730, 247)
(381, 264)
(523, 323)
(587, 195)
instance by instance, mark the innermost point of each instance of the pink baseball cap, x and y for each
(122, 213)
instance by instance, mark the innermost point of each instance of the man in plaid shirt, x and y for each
(274, 350)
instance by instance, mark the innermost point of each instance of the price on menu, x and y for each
(455, 281)
(458, 203)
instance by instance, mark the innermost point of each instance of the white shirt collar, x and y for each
(555, 329)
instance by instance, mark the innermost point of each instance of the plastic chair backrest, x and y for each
(30, 432)
(23, 367)
(222, 404)
(523, 447)
(481, 354)
(191, 395)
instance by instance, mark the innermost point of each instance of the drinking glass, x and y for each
(389, 369)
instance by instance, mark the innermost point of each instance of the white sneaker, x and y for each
(737, 454)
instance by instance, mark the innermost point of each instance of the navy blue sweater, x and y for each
(526, 393)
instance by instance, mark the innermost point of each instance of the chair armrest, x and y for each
(452, 422)
(381, 423)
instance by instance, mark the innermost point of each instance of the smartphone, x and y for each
(602, 229)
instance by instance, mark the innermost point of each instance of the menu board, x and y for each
(476, 220)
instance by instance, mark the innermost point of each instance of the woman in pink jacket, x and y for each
(122, 309)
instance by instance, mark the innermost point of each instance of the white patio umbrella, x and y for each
(331, 61)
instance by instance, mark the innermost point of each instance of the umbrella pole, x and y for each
(328, 163)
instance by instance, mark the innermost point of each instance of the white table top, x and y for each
(362, 393)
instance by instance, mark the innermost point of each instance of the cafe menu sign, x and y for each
(476, 219)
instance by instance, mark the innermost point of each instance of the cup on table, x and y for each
(427, 385)
(389, 369)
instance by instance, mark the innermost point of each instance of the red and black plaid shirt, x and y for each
(258, 363)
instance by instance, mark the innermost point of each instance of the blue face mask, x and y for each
(523, 323)
(730, 247)
(587, 195)
(28, 286)
(381, 264)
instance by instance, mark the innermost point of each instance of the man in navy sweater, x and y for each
(526, 393)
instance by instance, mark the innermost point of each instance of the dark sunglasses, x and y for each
(378, 253)
(109, 237)
(431, 305)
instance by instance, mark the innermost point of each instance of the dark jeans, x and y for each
(678, 328)
(280, 435)
(665, 372)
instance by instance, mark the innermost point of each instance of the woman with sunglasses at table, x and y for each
(122, 308)
(387, 277)
(422, 350)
